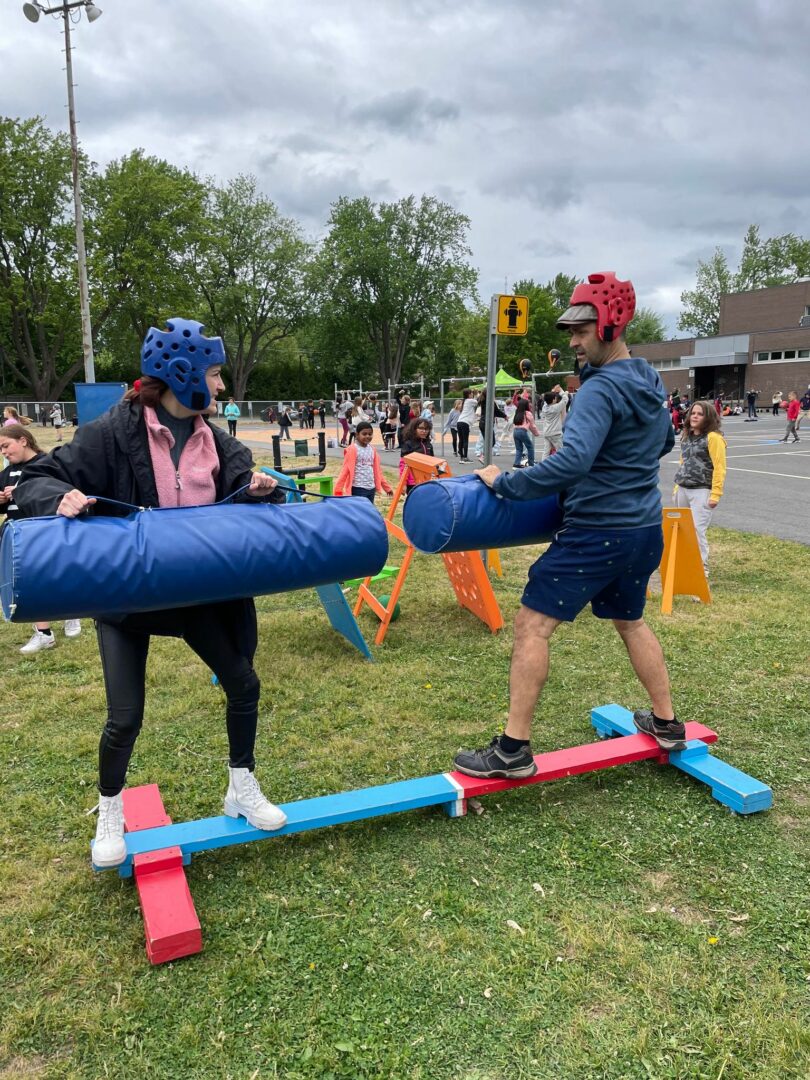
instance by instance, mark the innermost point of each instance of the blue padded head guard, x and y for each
(180, 355)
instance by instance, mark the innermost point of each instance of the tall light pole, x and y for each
(32, 12)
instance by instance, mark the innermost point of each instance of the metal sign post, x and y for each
(492, 367)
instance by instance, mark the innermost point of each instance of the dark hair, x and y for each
(523, 406)
(148, 393)
(18, 431)
(362, 427)
(409, 433)
(711, 421)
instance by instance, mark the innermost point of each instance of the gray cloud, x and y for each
(405, 112)
(575, 135)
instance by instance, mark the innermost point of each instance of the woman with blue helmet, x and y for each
(157, 448)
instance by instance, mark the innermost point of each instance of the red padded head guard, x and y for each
(614, 302)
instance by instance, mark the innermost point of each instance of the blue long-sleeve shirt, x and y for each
(607, 471)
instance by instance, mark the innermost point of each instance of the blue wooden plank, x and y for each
(613, 720)
(731, 787)
(341, 617)
(735, 789)
(208, 833)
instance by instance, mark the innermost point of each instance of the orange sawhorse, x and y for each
(466, 569)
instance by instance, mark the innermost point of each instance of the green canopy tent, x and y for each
(503, 381)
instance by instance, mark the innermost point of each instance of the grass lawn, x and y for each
(620, 924)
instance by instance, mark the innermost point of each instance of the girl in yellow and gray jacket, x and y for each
(702, 470)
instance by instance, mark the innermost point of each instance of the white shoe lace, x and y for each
(250, 793)
(110, 820)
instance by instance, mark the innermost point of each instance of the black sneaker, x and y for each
(669, 736)
(491, 762)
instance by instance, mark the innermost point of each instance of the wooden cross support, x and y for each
(157, 850)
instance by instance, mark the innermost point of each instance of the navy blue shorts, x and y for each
(608, 568)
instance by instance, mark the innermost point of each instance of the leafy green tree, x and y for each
(40, 324)
(147, 219)
(778, 260)
(701, 313)
(647, 325)
(251, 271)
(391, 268)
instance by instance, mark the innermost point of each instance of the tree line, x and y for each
(388, 293)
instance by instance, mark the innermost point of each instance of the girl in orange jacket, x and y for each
(361, 473)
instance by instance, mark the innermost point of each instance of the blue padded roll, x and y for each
(463, 514)
(95, 567)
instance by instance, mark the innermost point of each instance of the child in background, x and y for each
(552, 418)
(793, 410)
(415, 440)
(361, 473)
(451, 424)
(702, 469)
(20, 448)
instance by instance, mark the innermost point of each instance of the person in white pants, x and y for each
(702, 469)
(552, 418)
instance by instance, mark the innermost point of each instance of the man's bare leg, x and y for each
(648, 662)
(508, 755)
(529, 669)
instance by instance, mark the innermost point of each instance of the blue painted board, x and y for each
(216, 832)
(731, 787)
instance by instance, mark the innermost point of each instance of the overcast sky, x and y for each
(576, 135)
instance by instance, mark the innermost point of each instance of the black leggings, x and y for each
(124, 648)
(232, 427)
(463, 439)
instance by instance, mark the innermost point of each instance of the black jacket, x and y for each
(110, 457)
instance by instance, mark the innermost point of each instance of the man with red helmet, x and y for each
(606, 476)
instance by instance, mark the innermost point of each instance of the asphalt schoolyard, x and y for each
(767, 488)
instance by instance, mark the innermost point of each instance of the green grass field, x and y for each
(620, 924)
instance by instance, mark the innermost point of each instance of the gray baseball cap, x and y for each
(579, 313)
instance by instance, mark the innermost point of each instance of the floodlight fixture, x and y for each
(32, 12)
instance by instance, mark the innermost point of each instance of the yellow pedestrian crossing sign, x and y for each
(513, 315)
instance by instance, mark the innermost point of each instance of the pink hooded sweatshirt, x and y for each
(194, 482)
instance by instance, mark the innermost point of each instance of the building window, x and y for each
(781, 355)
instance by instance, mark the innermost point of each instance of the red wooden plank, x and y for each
(581, 759)
(143, 808)
(170, 921)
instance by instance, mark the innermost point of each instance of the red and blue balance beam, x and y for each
(157, 850)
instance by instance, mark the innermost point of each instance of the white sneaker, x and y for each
(73, 627)
(244, 799)
(110, 848)
(38, 642)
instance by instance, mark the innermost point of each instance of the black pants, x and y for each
(454, 437)
(367, 493)
(232, 427)
(124, 648)
(463, 439)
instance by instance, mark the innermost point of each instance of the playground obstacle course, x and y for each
(157, 850)
(465, 569)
